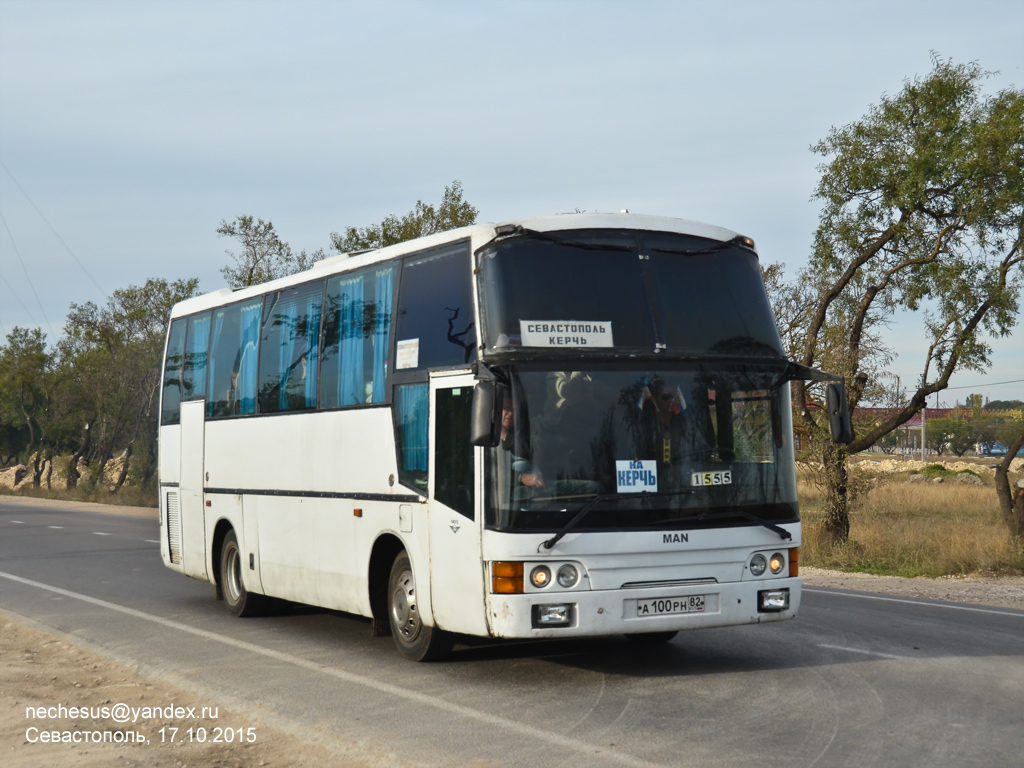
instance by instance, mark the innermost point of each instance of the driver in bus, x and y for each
(525, 474)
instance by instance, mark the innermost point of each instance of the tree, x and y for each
(922, 211)
(1011, 499)
(424, 219)
(1004, 405)
(24, 364)
(264, 255)
(937, 434)
(115, 354)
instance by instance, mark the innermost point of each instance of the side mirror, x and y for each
(838, 413)
(485, 429)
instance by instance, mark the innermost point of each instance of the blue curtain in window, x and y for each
(412, 414)
(312, 348)
(248, 357)
(350, 358)
(385, 288)
(287, 317)
(218, 328)
(199, 348)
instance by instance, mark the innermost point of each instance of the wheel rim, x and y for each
(404, 615)
(232, 576)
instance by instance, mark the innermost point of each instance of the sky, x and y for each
(129, 130)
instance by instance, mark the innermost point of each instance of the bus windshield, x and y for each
(642, 448)
(612, 291)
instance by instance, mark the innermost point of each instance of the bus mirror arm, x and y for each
(485, 429)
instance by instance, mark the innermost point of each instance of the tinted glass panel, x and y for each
(173, 371)
(411, 404)
(435, 311)
(710, 303)
(586, 291)
(453, 454)
(233, 360)
(197, 343)
(646, 447)
(289, 349)
(356, 337)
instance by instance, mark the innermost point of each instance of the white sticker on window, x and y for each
(723, 477)
(636, 476)
(566, 333)
(407, 354)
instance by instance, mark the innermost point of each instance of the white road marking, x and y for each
(100, 533)
(56, 527)
(858, 650)
(18, 522)
(562, 741)
(1017, 614)
(151, 541)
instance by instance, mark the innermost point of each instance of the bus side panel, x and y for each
(170, 496)
(287, 547)
(193, 517)
(229, 508)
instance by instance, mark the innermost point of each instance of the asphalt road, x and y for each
(855, 680)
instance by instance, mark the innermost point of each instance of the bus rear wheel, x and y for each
(239, 600)
(415, 640)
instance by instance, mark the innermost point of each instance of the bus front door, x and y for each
(456, 571)
(193, 516)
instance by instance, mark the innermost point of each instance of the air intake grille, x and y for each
(174, 526)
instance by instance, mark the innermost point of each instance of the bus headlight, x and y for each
(540, 576)
(758, 564)
(777, 563)
(568, 576)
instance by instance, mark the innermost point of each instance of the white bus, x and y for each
(566, 426)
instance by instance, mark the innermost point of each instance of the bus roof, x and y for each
(479, 233)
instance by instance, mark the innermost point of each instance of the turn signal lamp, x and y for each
(794, 562)
(507, 578)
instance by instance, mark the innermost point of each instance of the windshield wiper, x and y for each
(783, 533)
(577, 517)
(585, 509)
(736, 242)
(552, 238)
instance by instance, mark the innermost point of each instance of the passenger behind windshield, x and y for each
(676, 432)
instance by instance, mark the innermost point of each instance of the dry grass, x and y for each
(902, 528)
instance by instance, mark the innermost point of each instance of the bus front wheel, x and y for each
(414, 639)
(237, 598)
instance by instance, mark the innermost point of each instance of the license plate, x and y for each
(666, 606)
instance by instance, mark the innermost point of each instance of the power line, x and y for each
(993, 384)
(28, 277)
(54, 231)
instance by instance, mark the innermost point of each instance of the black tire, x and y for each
(415, 640)
(238, 600)
(652, 638)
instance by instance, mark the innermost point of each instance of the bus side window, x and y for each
(435, 309)
(290, 349)
(197, 343)
(174, 372)
(233, 360)
(357, 332)
(411, 402)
